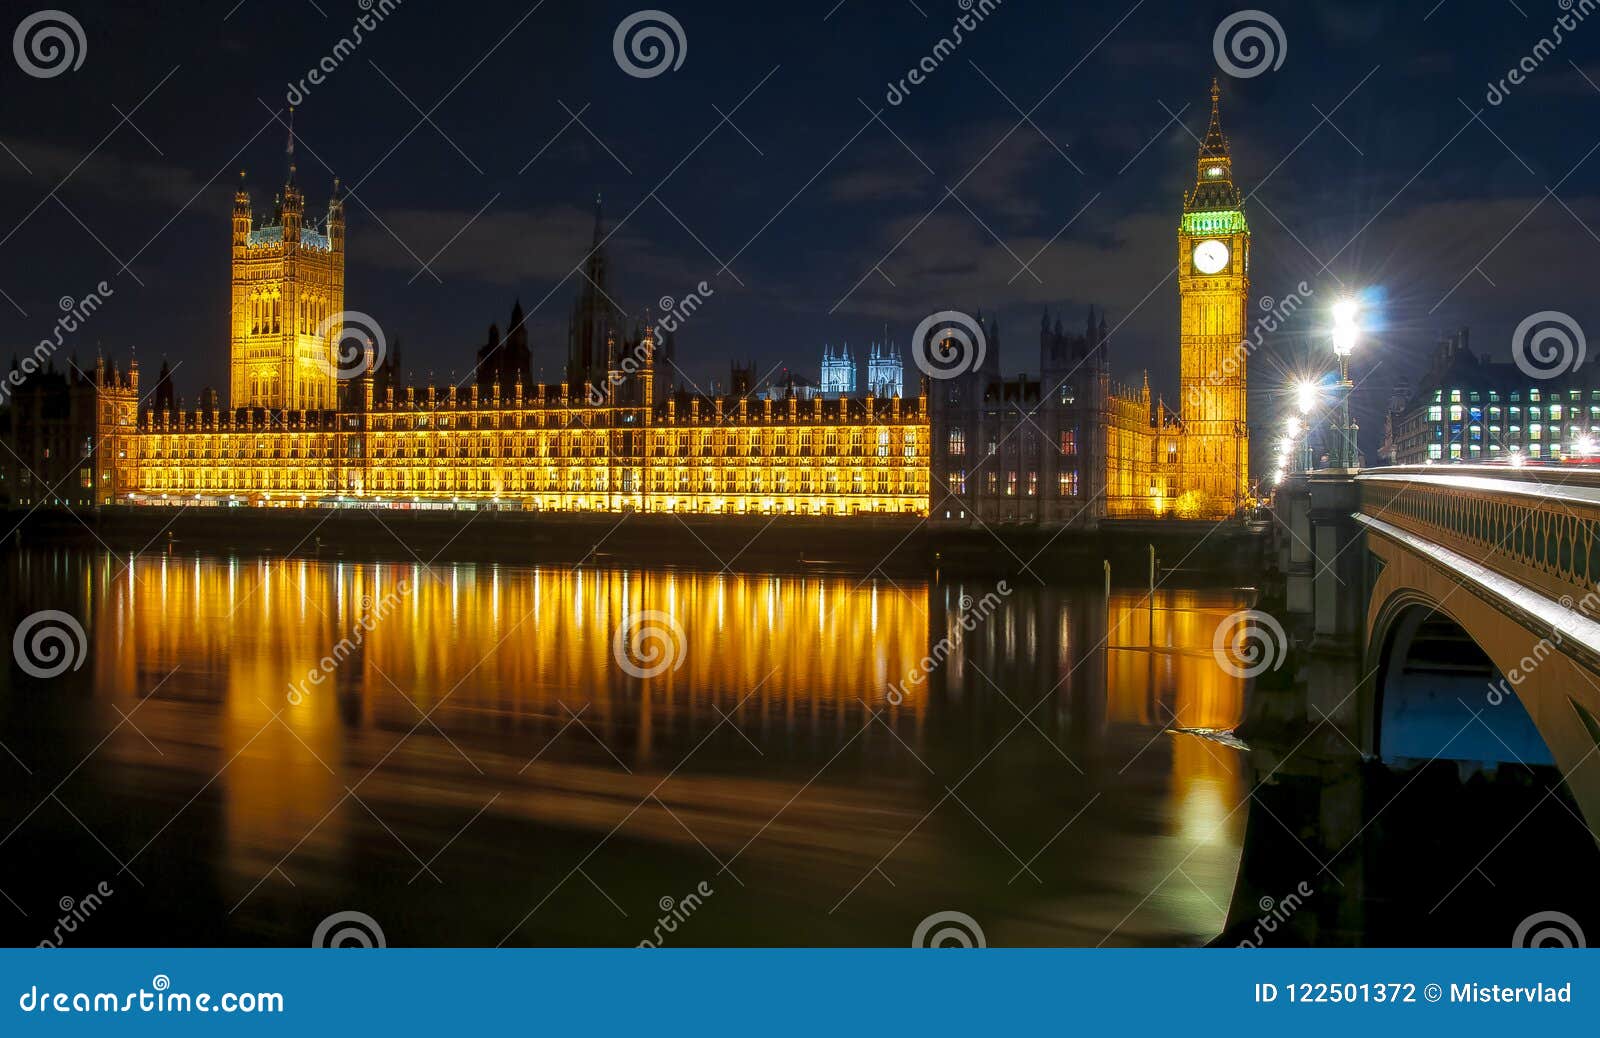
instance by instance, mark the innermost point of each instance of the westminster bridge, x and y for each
(1448, 614)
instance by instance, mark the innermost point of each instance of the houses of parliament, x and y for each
(621, 432)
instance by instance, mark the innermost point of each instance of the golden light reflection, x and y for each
(501, 657)
(1161, 670)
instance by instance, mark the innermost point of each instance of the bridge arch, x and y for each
(1438, 694)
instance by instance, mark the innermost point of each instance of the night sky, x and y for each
(1445, 220)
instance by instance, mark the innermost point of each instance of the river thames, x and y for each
(249, 746)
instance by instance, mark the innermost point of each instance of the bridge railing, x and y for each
(1539, 526)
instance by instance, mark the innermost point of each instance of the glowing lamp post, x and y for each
(1307, 397)
(1345, 333)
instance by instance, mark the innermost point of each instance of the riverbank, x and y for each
(1186, 553)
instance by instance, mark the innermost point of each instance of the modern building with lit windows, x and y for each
(1473, 411)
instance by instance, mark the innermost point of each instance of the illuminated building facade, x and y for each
(548, 450)
(608, 439)
(1214, 300)
(885, 370)
(288, 302)
(838, 370)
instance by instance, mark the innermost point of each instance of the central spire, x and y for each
(1216, 144)
(1213, 185)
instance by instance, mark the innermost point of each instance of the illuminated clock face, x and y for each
(1210, 256)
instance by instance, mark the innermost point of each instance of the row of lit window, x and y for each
(1436, 451)
(1016, 484)
(1515, 396)
(1555, 413)
(1535, 432)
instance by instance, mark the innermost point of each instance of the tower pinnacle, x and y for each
(289, 149)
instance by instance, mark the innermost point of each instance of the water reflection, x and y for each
(476, 767)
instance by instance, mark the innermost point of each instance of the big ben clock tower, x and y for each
(1214, 294)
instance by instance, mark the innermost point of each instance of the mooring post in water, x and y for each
(1151, 597)
(1107, 564)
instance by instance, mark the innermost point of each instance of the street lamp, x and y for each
(1307, 398)
(1346, 331)
(1307, 395)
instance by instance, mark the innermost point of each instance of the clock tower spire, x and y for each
(1214, 294)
